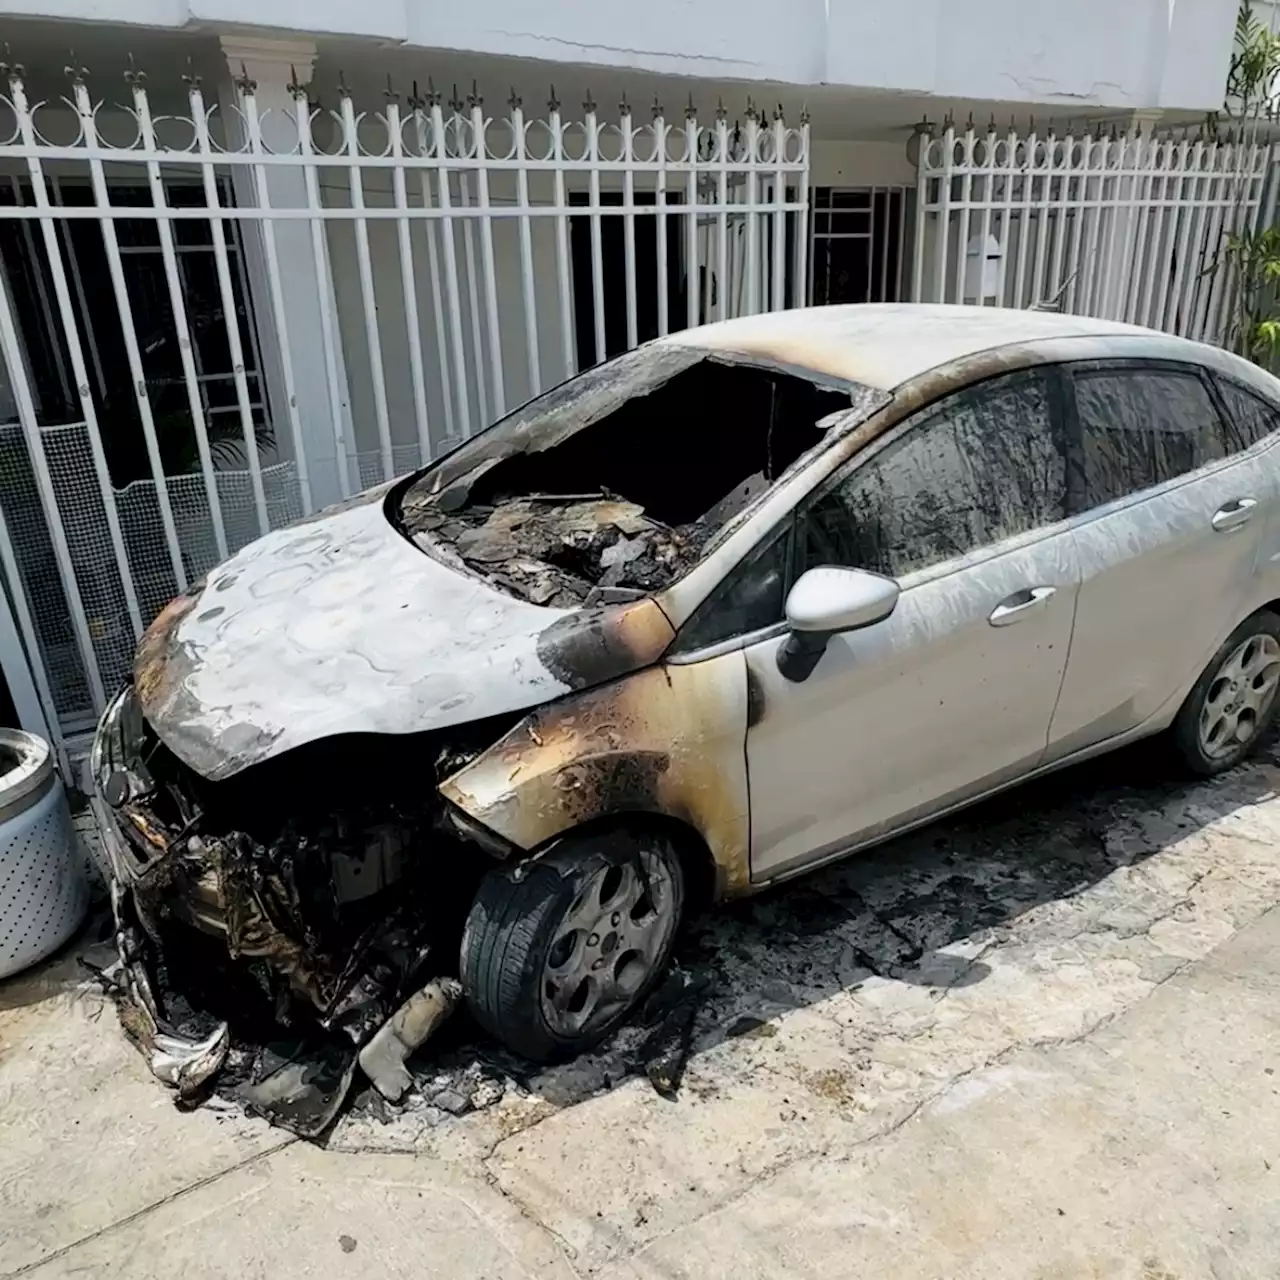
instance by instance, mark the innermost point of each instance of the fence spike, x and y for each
(804, 113)
(690, 111)
(389, 93)
(589, 103)
(656, 108)
(190, 77)
(11, 70)
(553, 103)
(244, 82)
(134, 78)
(624, 107)
(777, 112)
(343, 89)
(751, 109)
(295, 87)
(455, 103)
(514, 102)
(78, 75)
(415, 101)
(474, 98)
(433, 98)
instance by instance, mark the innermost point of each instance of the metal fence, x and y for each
(215, 320)
(1127, 227)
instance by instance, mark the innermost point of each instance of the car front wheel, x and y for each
(558, 951)
(1234, 700)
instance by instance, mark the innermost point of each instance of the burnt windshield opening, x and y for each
(610, 486)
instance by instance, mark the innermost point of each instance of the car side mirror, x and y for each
(824, 602)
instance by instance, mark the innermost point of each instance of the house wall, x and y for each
(394, 336)
(1167, 54)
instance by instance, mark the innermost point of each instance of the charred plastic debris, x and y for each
(300, 920)
(616, 492)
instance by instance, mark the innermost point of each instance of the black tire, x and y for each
(515, 918)
(1186, 735)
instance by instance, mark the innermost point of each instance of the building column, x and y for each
(274, 67)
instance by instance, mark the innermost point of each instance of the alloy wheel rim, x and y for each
(608, 944)
(1240, 696)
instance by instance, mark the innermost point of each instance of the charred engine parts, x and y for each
(563, 550)
(383, 1058)
(184, 1064)
(237, 921)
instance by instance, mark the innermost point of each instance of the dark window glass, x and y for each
(1250, 417)
(750, 598)
(1139, 429)
(981, 466)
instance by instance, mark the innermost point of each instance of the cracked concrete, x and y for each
(1034, 1041)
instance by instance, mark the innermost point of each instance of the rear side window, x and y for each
(1249, 417)
(1138, 429)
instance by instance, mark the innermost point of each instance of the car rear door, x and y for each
(954, 692)
(1167, 525)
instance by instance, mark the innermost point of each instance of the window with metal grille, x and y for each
(93, 301)
(859, 244)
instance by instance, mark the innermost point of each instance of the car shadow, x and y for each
(890, 912)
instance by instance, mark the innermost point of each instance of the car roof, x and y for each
(884, 345)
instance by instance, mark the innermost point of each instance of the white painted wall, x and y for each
(1112, 54)
(385, 259)
(1169, 54)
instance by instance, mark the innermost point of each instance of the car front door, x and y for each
(953, 693)
(1168, 523)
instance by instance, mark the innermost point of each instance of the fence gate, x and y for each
(216, 319)
(1124, 227)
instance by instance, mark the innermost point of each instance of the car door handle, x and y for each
(1234, 515)
(1019, 605)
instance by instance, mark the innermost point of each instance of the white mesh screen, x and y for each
(93, 557)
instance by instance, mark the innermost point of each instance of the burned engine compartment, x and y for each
(247, 903)
(611, 487)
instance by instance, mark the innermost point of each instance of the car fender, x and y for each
(667, 740)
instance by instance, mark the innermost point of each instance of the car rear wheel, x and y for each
(1234, 700)
(557, 952)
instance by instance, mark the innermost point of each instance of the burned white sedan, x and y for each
(743, 600)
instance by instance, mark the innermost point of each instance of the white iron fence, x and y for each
(1129, 227)
(216, 319)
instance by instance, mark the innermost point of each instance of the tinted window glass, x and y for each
(1139, 429)
(979, 467)
(1250, 417)
(749, 599)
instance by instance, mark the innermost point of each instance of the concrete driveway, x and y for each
(1041, 1041)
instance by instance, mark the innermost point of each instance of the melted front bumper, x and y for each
(184, 1062)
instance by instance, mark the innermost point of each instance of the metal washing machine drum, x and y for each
(44, 892)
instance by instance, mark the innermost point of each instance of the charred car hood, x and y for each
(341, 625)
